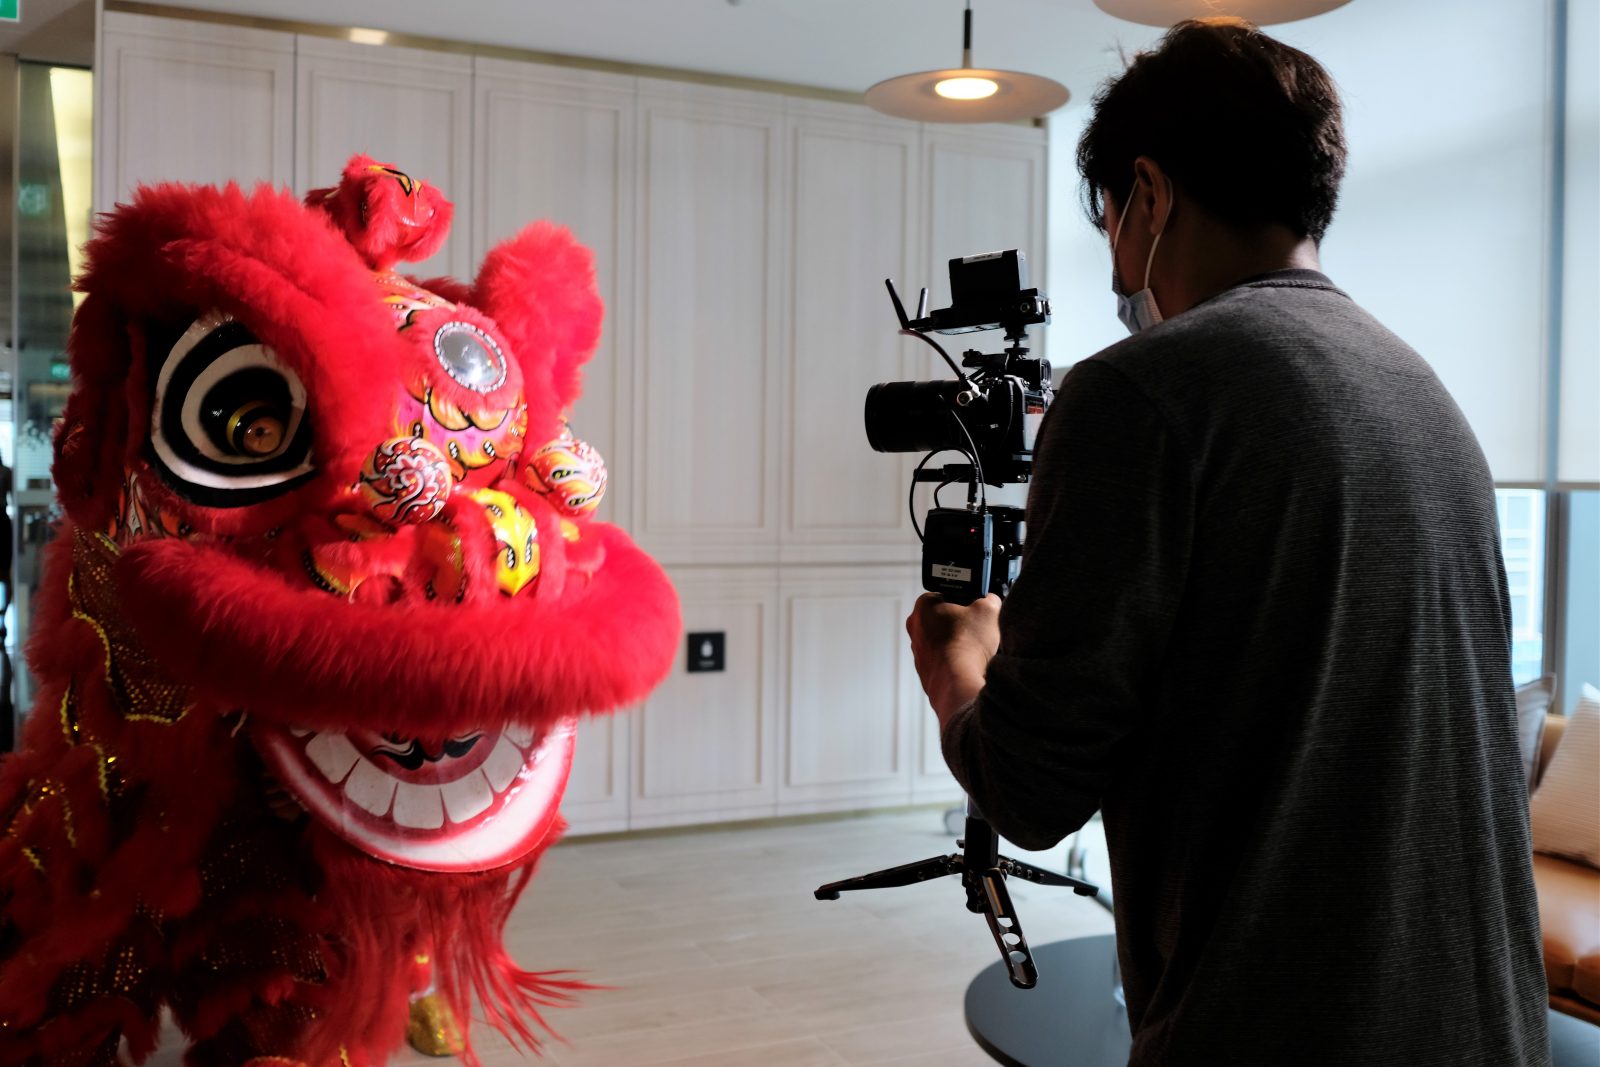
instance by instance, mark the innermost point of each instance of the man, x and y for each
(1262, 623)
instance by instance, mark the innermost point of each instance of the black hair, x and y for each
(1247, 126)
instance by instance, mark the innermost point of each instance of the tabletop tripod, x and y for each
(983, 873)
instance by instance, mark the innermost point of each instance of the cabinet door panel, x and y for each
(404, 106)
(931, 779)
(848, 688)
(184, 101)
(558, 144)
(596, 800)
(710, 264)
(704, 742)
(854, 225)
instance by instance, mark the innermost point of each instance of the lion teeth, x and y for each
(503, 764)
(333, 755)
(369, 788)
(467, 796)
(417, 807)
(298, 731)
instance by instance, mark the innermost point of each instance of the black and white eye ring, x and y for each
(228, 421)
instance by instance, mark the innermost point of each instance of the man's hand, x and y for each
(952, 646)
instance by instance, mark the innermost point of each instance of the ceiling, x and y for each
(833, 44)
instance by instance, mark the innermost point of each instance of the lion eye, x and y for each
(228, 426)
(469, 356)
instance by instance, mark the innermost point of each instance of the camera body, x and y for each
(991, 415)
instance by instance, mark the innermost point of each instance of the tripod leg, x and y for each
(905, 874)
(1028, 872)
(1007, 930)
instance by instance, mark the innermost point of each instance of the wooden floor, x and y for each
(721, 956)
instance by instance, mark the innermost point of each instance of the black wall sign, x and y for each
(707, 652)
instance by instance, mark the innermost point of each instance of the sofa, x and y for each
(1569, 912)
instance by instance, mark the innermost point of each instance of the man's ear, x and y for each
(1155, 193)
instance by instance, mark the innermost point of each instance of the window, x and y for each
(1579, 663)
(1522, 541)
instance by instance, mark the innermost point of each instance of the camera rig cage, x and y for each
(993, 416)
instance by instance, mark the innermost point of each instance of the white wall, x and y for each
(1442, 227)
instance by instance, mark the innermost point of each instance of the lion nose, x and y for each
(406, 480)
(516, 539)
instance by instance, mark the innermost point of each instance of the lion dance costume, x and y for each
(325, 601)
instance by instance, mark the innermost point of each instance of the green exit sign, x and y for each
(10, 10)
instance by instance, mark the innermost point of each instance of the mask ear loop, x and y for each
(1153, 244)
(1122, 220)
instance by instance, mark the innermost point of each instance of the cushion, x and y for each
(1565, 810)
(1533, 702)
(1569, 918)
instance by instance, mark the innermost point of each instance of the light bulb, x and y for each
(966, 88)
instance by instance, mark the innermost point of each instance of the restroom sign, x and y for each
(707, 652)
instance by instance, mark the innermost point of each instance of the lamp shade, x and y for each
(1260, 12)
(1014, 96)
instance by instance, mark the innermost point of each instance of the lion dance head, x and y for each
(326, 599)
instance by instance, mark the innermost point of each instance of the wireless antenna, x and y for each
(899, 308)
(911, 331)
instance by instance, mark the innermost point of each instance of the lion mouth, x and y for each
(470, 802)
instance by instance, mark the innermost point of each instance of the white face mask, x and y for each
(1139, 311)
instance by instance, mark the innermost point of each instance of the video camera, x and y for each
(991, 415)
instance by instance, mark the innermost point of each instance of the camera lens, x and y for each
(913, 416)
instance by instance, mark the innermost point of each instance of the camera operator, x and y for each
(1262, 623)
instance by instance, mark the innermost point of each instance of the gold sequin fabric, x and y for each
(223, 912)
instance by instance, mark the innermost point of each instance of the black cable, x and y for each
(925, 339)
(911, 497)
(983, 491)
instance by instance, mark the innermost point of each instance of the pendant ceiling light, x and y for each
(967, 93)
(1260, 12)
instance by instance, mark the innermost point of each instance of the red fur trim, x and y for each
(246, 638)
(540, 287)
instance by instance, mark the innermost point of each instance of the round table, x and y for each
(1072, 1018)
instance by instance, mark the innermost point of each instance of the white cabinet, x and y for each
(856, 221)
(558, 144)
(712, 259)
(850, 692)
(405, 106)
(191, 102)
(705, 745)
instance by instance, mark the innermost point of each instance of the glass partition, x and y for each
(48, 223)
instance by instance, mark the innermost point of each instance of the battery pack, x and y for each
(957, 552)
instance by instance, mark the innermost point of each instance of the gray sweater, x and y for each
(1262, 626)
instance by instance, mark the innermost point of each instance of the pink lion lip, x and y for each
(471, 803)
